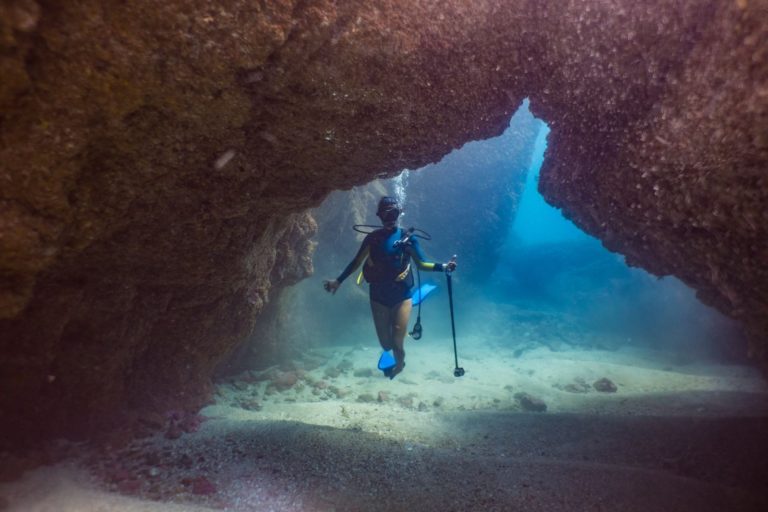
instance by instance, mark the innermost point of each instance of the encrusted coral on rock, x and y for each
(154, 154)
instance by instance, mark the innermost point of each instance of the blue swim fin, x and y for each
(387, 362)
(421, 293)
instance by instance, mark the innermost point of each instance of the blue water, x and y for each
(536, 221)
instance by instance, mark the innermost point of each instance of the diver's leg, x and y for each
(381, 319)
(401, 313)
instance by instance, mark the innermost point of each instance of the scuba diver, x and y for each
(387, 253)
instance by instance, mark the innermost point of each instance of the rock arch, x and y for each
(157, 158)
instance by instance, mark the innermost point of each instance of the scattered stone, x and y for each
(250, 404)
(530, 403)
(509, 387)
(366, 398)
(439, 401)
(578, 385)
(406, 401)
(345, 365)
(247, 376)
(423, 407)
(383, 396)
(363, 372)
(285, 380)
(338, 392)
(332, 373)
(321, 384)
(605, 385)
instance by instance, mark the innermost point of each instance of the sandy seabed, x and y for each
(675, 435)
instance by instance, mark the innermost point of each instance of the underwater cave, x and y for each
(180, 180)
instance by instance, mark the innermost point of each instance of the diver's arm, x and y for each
(414, 249)
(362, 253)
(358, 260)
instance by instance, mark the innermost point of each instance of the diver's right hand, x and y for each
(331, 286)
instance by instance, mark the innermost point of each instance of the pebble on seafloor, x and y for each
(285, 380)
(605, 385)
(578, 385)
(530, 403)
(332, 372)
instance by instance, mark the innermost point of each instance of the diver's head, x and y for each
(388, 211)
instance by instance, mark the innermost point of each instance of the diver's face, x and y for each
(389, 218)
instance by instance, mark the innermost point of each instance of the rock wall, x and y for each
(152, 154)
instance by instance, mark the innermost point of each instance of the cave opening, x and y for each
(529, 280)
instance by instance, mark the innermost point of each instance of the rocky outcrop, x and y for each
(152, 153)
(673, 175)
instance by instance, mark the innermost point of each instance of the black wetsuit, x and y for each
(387, 265)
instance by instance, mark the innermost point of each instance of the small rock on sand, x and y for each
(250, 404)
(285, 380)
(605, 385)
(406, 401)
(578, 385)
(345, 365)
(332, 373)
(530, 403)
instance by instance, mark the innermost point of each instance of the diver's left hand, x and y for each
(450, 266)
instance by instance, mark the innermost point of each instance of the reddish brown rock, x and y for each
(156, 158)
(285, 380)
(605, 385)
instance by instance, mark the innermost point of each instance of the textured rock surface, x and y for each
(153, 153)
